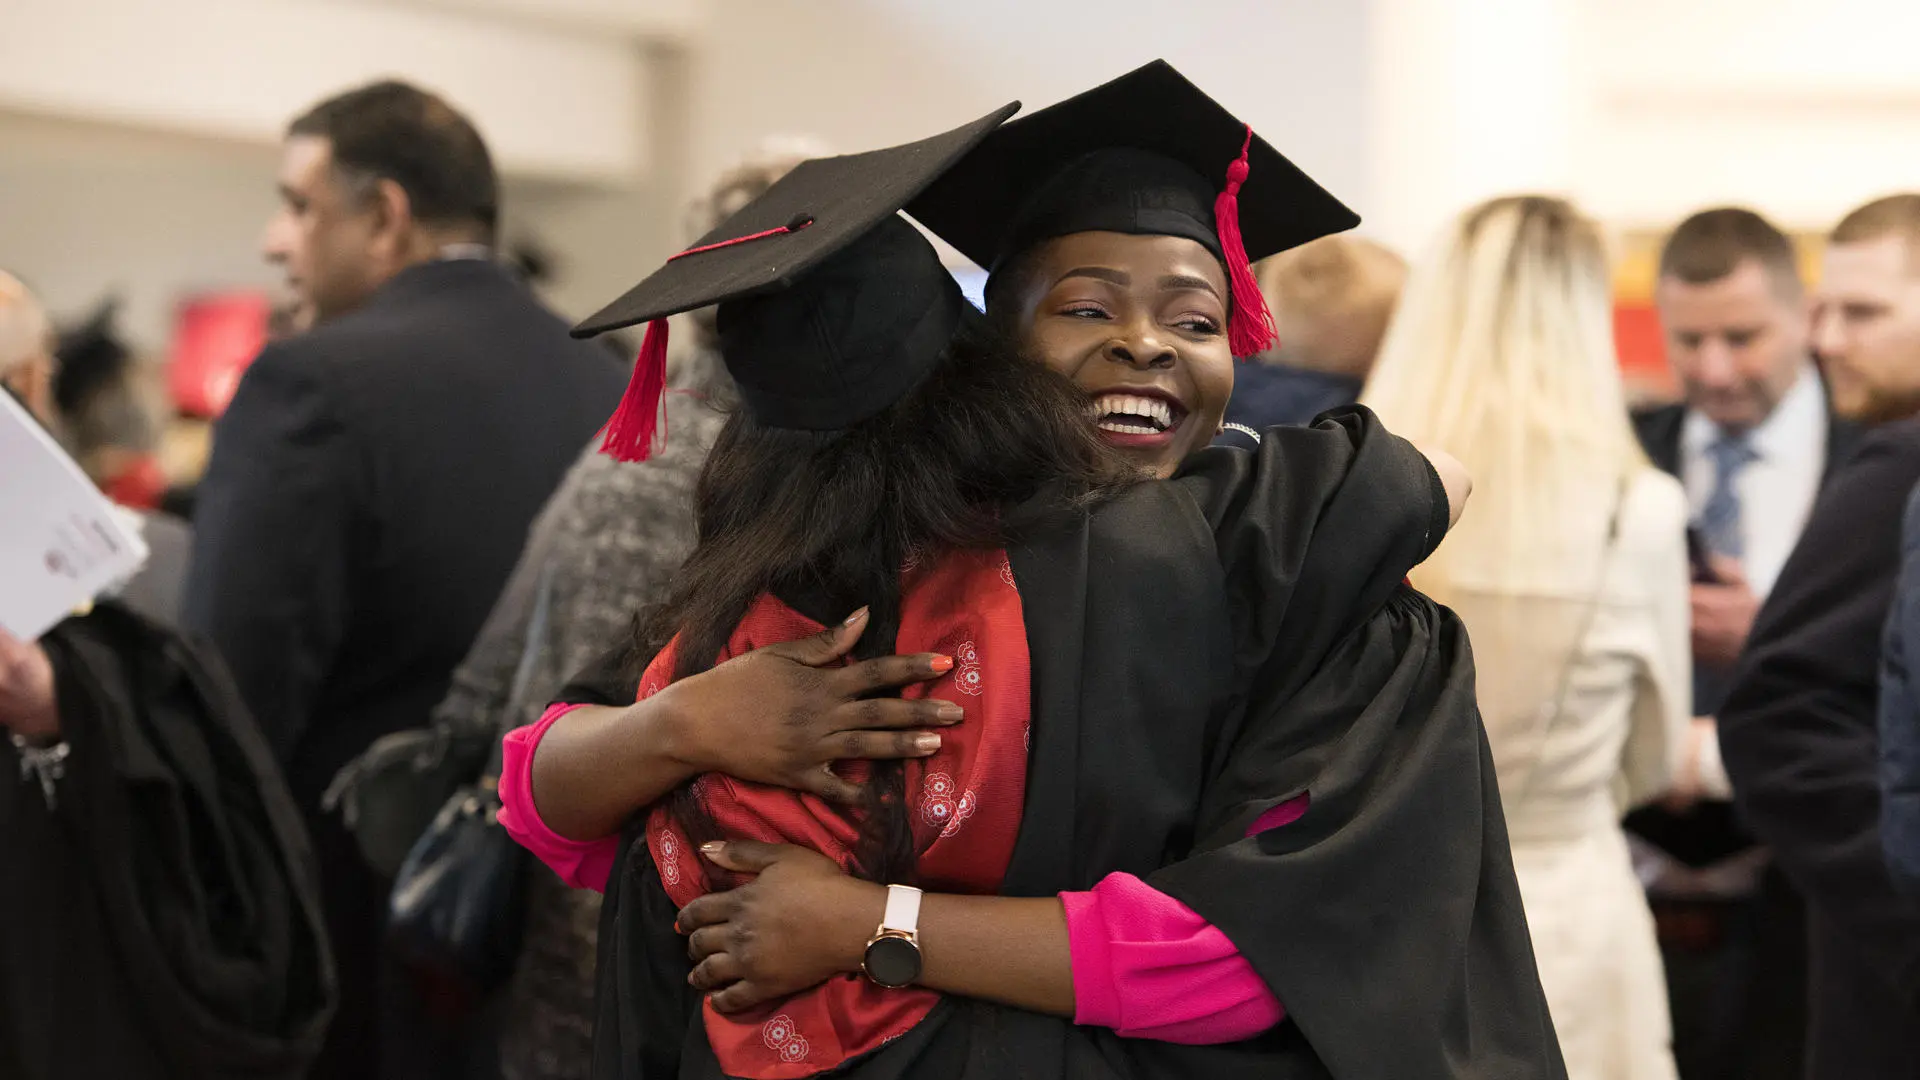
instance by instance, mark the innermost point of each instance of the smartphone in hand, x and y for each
(1697, 557)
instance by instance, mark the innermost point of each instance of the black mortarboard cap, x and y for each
(1148, 153)
(832, 306)
(851, 337)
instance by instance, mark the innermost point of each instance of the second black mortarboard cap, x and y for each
(1147, 153)
(822, 354)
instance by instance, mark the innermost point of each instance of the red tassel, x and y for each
(1250, 329)
(638, 428)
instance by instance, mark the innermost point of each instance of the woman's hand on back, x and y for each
(783, 714)
(800, 921)
(779, 715)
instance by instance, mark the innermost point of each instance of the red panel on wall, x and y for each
(215, 337)
(1642, 348)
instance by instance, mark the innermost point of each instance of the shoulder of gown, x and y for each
(1317, 528)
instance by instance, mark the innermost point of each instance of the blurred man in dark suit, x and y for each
(1752, 442)
(1798, 728)
(374, 477)
(1754, 437)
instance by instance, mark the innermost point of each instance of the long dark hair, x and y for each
(835, 514)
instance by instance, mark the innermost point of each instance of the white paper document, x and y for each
(62, 543)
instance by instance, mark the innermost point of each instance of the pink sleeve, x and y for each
(581, 864)
(1149, 967)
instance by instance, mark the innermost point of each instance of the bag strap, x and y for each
(1551, 716)
(536, 634)
(536, 640)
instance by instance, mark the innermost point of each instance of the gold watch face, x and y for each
(892, 961)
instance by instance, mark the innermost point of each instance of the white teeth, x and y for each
(1133, 405)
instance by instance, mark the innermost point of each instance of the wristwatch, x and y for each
(893, 954)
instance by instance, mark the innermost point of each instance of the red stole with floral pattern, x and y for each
(966, 802)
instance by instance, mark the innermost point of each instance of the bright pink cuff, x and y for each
(1149, 967)
(1285, 813)
(581, 864)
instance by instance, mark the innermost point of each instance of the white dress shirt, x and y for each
(1776, 494)
(1777, 490)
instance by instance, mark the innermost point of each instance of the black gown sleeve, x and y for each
(1387, 919)
(1316, 529)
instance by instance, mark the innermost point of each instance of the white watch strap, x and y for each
(903, 909)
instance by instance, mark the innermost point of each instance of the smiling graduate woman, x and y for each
(1193, 784)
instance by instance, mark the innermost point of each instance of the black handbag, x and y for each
(457, 911)
(458, 905)
(389, 796)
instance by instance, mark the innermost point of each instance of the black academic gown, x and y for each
(1203, 650)
(160, 920)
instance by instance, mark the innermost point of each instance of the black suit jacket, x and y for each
(1798, 734)
(371, 485)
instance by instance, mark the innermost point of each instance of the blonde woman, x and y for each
(1571, 575)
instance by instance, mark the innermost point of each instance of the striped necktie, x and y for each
(1719, 520)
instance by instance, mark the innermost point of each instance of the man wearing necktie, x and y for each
(1719, 519)
(1724, 603)
(1752, 443)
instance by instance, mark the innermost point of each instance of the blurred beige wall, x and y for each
(866, 73)
(1644, 110)
(84, 212)
(558, 98)
(136, 139)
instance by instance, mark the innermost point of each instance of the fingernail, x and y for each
(855, 617)
(950, 712)
(712, 847)
(926, 743)
(676, 927)
(941, 664)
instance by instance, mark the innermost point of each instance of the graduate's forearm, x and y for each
(599, 765)
(1009, 950)
(802, 920)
